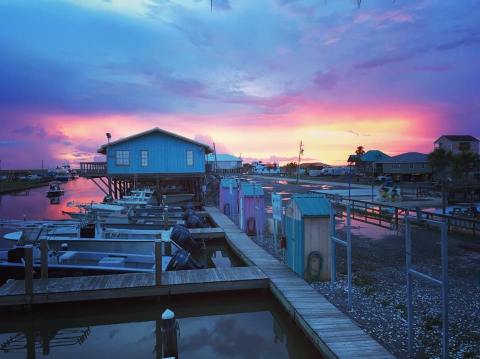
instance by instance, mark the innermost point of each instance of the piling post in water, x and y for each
(44, 258)
(28, 250)
(169, 329)
(158, 262)
(165, 216)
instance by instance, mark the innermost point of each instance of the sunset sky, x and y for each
(255, 76)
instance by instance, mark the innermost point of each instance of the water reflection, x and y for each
(34, 204)
(237, 325)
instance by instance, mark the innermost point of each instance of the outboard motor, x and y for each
(188, 212)
(182, 260)
(183, 238)
(194, 221)
(16, 254)
(108, 199)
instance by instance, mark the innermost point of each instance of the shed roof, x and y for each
(458, 138)
(227, 182)
(312, 205)
(251, 189)
(222, 157)
(408, 157)
(103, 148)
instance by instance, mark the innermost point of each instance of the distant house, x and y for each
(265, 168)
(458, 143)
(156, 158)
(408, 166)
(369, 163)
(224, 163)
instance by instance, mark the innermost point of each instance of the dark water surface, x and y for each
(237, 325)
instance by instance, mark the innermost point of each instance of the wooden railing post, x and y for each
(28, 250)
(158, 262)
(44, 258)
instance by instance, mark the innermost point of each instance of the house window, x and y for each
(411, 166)
(123, 158)
(144, 158)
(189, 158)
(422, 165)
(396, 165)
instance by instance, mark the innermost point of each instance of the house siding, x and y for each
(454, 146)
(166, 154)
(405, 168)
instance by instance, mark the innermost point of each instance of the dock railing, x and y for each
(391, 217)
(93, 169)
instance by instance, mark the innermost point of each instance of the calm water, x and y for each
(33, 203)
(237, 325)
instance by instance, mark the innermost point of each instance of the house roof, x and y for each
(223, 157)
(458, 138)
(103, 148)
(374, 156)
(369, 156)
(408, 157)
(312, 205)
(251, 189)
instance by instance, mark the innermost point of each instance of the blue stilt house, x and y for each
(156, 158)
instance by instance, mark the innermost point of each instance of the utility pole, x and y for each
(300, 153)
(215, 154)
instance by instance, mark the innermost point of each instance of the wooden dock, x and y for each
(118, 286)
(332, 331)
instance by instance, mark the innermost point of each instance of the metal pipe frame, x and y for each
(348, 244)
(442, 283)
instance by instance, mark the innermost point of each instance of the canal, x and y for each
(250, 325)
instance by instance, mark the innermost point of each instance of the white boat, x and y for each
(137, 196)
(54, 190)
(61, 174)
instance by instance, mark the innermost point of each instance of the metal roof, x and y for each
(374, 156)
(222, 157)
(458, 138)
(409, 157)
(251, 189)
(227, 182)
(312, 205)
(103, 148)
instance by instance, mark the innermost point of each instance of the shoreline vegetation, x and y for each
(17, 186)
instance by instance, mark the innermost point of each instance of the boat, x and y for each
(61, 174)
(137, 196)
(54, 190)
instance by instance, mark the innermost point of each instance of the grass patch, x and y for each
(363, 281)
(385, 302)
(432, 321)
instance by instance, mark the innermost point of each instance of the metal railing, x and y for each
(442, 283)
(334, 240)
(93, 169)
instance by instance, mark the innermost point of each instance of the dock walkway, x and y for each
(332, 331)
(117, 286)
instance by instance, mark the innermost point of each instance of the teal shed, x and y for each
(307, 231)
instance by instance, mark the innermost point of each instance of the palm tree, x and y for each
(360, 151)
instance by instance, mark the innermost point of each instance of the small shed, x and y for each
(228, 197)
(307, 233)
(252, 208)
